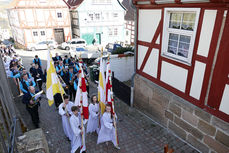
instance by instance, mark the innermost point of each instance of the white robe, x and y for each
(76, 140)
(93, 122)
(75, 123)
(107, 131)
(65, 120)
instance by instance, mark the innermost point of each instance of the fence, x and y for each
(121, 90)
(9, 120)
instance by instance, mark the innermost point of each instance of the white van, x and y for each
(74, 43)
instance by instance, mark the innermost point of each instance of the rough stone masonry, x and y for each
(202, 130)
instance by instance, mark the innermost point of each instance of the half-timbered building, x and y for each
(182, 68)
(32, 21)
(129, 22)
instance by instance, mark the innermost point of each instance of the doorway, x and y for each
(98, 38)
(59, 35)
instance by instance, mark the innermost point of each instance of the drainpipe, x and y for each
(135, 46)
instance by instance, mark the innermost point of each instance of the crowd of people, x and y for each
(67, 68)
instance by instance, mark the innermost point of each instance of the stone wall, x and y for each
(202, 130)
(33, 141)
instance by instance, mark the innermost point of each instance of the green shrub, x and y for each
(122, 50)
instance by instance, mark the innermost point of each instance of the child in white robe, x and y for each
(75, 122)
(107, 131)
(65, 112)
(93, 122)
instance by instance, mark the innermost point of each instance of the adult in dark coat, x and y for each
(38, 76)
(37, 60)
(66, 61)
(32, 68)
(57, 58)
(32, 105)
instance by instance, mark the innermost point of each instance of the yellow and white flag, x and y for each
(53, 85)
(102, 87)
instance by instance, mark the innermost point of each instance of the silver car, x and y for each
(43, 45)
(74, 43)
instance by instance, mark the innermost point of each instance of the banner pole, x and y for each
(112, 100)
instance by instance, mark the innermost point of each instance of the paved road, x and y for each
(137, 133)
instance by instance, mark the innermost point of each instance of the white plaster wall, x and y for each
(13, 17)
(224, 105)
(148, 23)
(123, 67)
(21, 3)
(141, 54)
(34, 39)
(164, 1)
(152, 63)
(174, 76)
(67, 34)
(28, 35)
(30, 19)
(49, 33)
(206, 32)
(158, 39)
(40, 14)
(19, 35)
(197, 80)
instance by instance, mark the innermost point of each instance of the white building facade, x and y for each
(102, 20)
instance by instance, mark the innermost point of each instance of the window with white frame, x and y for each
(35, 33)
(59, 15)
(91, 16)
(115, 31)
(179, 31)
(110, 33)
(97, 16)
(115, 15)
(42, 33)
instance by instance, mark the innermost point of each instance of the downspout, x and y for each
(135, 47)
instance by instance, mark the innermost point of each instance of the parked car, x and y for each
(112, 47)
(7, 43)
(43, 45)
(74, 43)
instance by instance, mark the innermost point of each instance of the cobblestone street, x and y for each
(136, 132)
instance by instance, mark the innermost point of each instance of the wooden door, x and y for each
(59, 35)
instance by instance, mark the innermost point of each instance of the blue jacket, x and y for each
(24, 85)
(61, 73)
(37, 61)
(14, 74)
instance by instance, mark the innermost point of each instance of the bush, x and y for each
(122, 50)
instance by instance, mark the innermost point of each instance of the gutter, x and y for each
(135, 46)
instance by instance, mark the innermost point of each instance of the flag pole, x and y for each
(81, 102)
(112, 101)
(101, 58)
